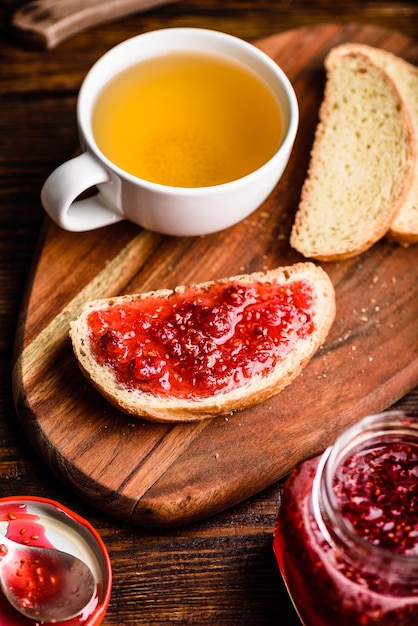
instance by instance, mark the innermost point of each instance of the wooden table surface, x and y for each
(221, 571)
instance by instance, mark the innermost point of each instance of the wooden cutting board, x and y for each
(162, 475)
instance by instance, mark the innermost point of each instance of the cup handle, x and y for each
(66, 183)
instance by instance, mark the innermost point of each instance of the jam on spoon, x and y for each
(44, 584)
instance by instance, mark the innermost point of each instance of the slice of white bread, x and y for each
(362, 161)
(404, 228)
(312, 302)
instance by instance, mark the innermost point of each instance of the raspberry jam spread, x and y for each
(382, 502)
(203, 342)
(346, 538)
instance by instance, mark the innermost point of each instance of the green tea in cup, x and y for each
(187, 119)
(183, 131)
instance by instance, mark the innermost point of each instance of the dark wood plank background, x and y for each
(220, 571)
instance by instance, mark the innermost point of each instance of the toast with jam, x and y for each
(206, 349)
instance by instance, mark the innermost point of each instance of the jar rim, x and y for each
(340, 529)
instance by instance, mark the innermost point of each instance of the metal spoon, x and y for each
(44, 584)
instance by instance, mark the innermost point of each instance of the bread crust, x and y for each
(404, 228)
(259, 387)
(341, 240)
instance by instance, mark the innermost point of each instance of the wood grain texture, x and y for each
(220, 571)
(156, 474)
(47, 23)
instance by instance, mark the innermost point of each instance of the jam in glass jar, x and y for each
(346, 538)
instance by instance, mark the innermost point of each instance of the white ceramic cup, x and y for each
(170, 210)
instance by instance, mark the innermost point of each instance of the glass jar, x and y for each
(346, 537)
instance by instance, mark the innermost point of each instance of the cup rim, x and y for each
(85, 99)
